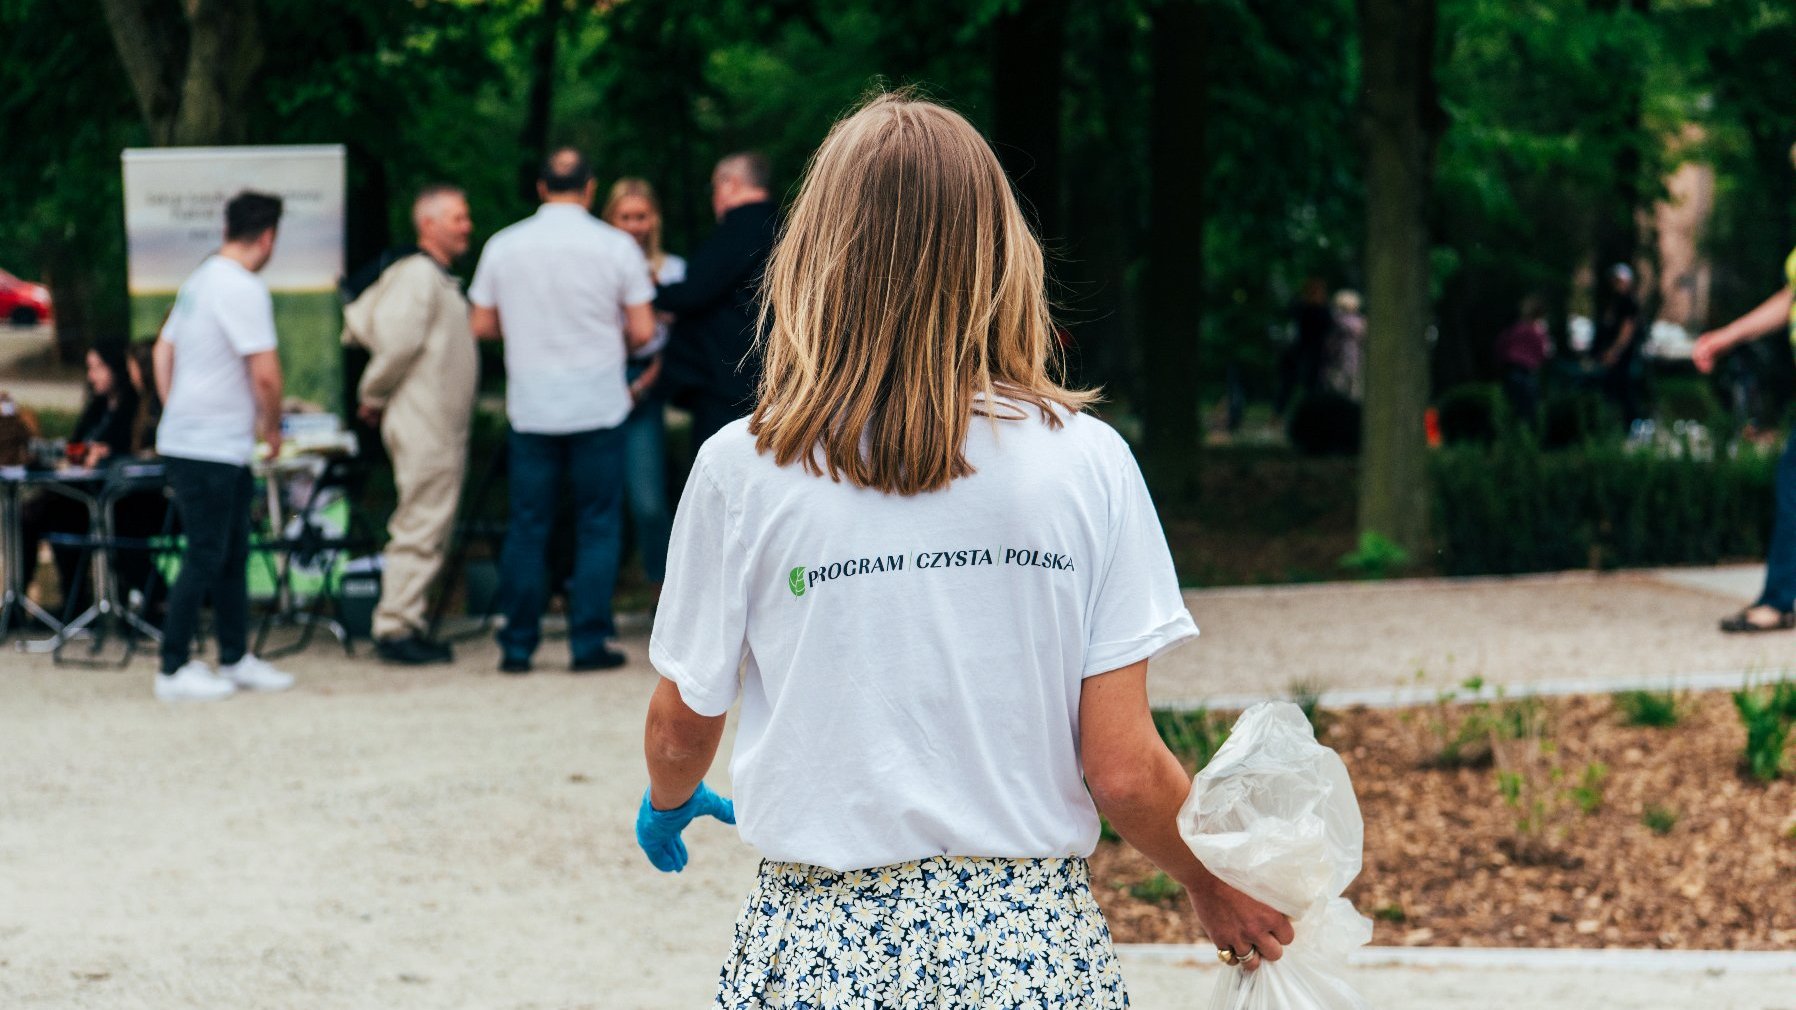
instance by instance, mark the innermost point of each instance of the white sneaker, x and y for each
(254, 674)
(193, 682)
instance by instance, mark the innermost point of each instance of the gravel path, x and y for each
(1628, 627)
(16, 345)
(449, 838)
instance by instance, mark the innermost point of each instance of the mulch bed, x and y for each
(1447, 865)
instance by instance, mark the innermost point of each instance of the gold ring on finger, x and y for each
(1227, 956)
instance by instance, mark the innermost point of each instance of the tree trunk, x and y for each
(533, 141)
(1171, 415)
(1028, 53)
(71, 293)
(1618, 231)
(1401, 122)
(1103, 192)
(224, 53)
(191, 78)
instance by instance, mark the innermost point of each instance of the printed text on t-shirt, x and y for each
(803, 577)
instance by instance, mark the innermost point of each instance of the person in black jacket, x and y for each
(710, 370)
(102, 435)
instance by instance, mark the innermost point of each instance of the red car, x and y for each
(23, 303)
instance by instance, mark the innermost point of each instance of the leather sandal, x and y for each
(1741, 624)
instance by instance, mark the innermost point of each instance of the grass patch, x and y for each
(1658, 709)
(1766, 713)
(1156, 889)
(1659, 819)
(1193, 736)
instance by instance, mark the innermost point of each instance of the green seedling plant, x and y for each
(1766, 713)
(1377, 557)
(1659, 819)
(1657, 709)
(1544, 798)
(1306, 694)
(1158, 889)
(1588, 793)
(1527, 805)
(1193, 736)
(1465, 733)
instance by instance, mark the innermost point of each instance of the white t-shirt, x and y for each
(673, 271)
(911, 666)
(222, 315)
(560, 279)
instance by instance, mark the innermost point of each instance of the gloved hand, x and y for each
(658, 831)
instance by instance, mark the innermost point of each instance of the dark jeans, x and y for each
(1780, 565)
(645, 456)
(213, 501)
(593, 463)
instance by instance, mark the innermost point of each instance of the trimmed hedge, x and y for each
(1512, 508)
(1474, 412)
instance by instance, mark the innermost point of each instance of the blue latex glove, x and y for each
(658, 831)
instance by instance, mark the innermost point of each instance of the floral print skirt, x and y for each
(945, 932)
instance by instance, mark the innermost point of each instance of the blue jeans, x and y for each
(593, 463)
(1780, 565)
(645, 481)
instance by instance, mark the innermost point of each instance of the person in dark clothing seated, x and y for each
(102, 434)
(709, 368)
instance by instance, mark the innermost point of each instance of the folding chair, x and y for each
(306, 543)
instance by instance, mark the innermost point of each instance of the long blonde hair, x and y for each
(625, 188)
(905, 285)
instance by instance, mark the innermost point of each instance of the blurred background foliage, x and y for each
(1560, 114)
(1562, 118)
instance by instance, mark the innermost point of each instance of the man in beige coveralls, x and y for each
(419, 389)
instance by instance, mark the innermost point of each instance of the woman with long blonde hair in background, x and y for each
(633, 207)
(934, 585)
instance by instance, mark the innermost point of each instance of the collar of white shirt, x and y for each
(549, 209)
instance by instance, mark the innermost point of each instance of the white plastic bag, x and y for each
(1273, 815)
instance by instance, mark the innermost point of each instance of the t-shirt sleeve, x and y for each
(483, 291)
(701, 625)
(1137, 611)
(248, 320)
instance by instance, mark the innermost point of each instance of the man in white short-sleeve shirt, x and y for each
(220, 379)
(570, 296)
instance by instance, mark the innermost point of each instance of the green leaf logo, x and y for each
(795, 581)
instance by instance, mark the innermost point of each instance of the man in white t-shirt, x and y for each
(220, 379)
(555, 287)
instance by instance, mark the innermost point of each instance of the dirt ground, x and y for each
(1447, 864)
(449, 838)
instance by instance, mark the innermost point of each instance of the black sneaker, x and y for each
(605, 659)
(514, 664)
(413, 650)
